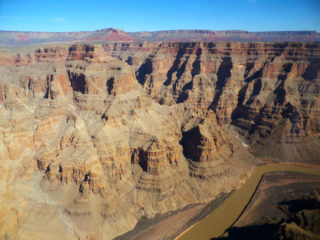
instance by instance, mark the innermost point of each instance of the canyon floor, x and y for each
(285, 206)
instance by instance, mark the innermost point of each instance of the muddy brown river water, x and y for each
(215, 224)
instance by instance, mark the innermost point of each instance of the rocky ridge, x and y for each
(96, 136)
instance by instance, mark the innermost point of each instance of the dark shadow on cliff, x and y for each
(175, 66)
(261, 232)
(145, 68)
(78, 82)
(223, 74)
(190, 141)
(312, 71)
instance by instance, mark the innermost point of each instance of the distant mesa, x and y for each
(111, 34)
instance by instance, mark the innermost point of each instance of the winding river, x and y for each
(215, 224)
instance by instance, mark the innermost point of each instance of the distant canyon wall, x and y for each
(16, 38)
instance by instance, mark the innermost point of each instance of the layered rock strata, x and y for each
(268, 91)
(93, 137)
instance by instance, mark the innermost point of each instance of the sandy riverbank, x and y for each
(170, 225)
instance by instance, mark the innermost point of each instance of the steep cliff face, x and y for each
(95, 136)
(268, 91)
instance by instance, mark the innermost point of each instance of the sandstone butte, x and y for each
(93, 137)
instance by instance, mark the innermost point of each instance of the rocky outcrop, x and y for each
(95, 136)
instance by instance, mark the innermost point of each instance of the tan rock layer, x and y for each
(101, 142)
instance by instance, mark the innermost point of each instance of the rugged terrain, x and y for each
(96, 137)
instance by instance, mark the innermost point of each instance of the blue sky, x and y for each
(152, 15)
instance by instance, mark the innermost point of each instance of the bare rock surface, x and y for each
(95, 136)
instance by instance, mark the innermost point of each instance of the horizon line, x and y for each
(224, 30)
